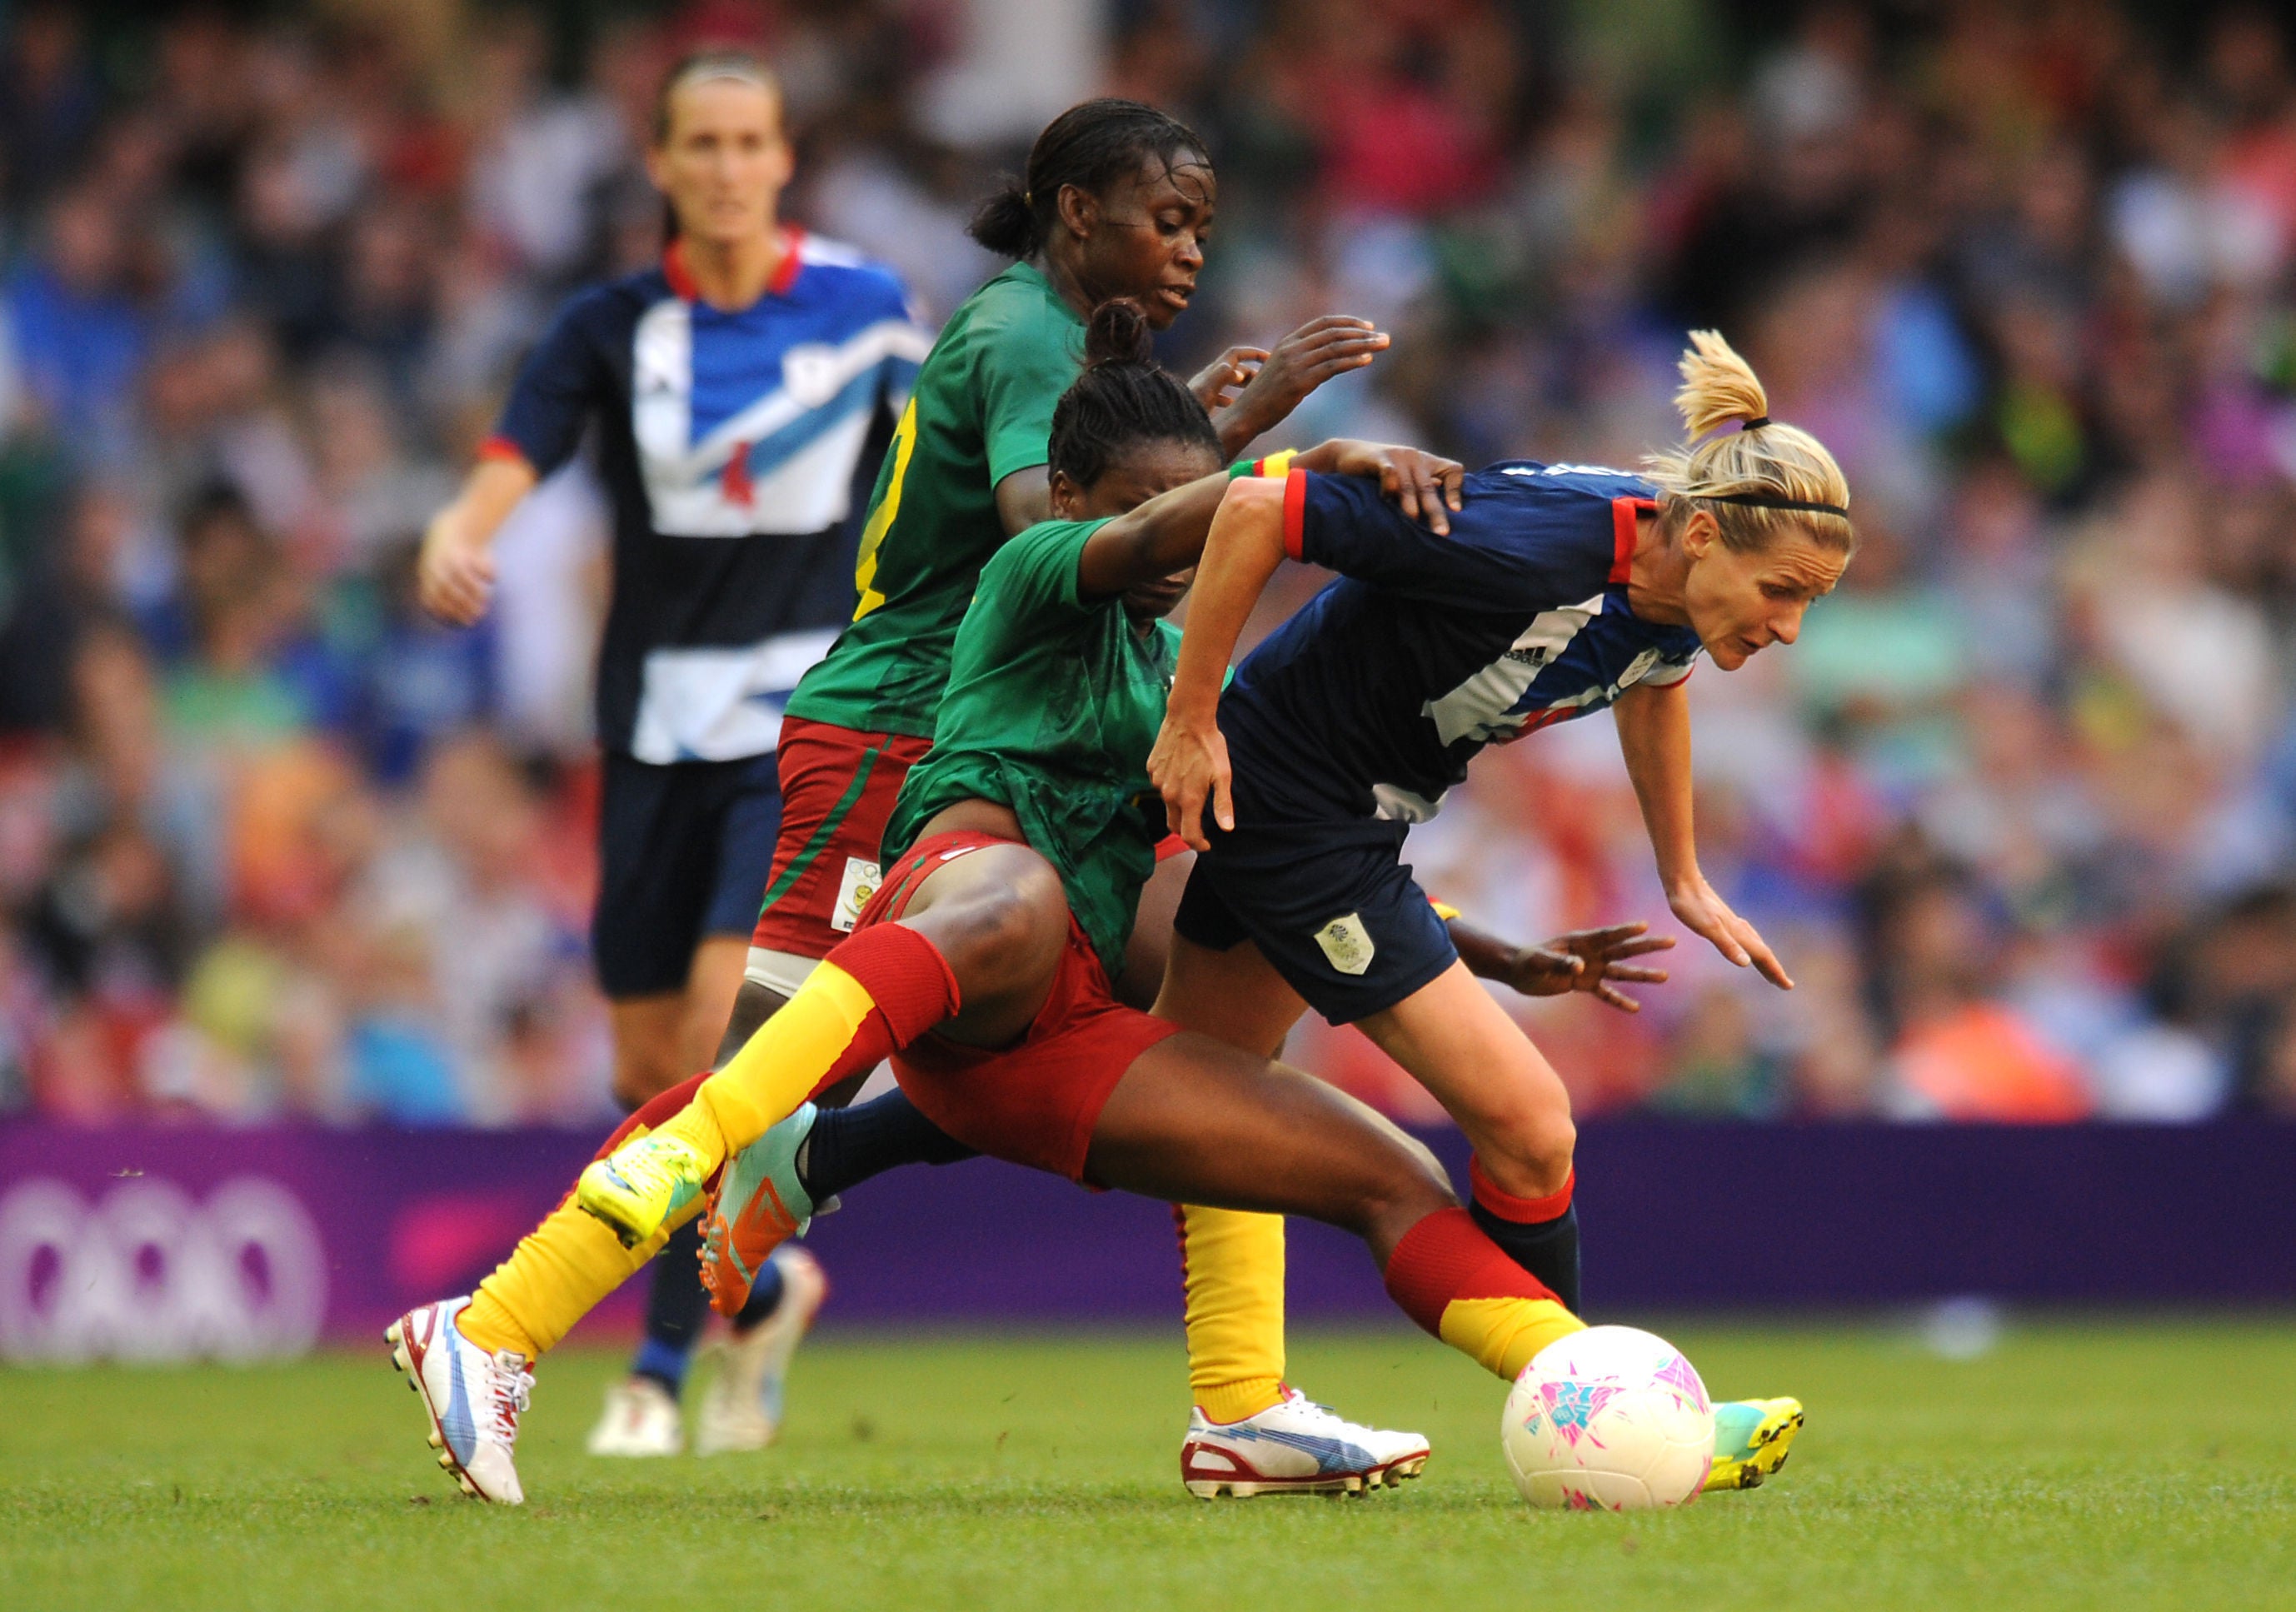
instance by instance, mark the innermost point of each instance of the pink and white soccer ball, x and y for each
(1612, 1419)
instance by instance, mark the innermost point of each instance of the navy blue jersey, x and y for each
(728, 443)
(1371, 701)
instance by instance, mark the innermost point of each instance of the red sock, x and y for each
(1446, 1257)
(904, 975)
(911, 989)
(1519, 1211)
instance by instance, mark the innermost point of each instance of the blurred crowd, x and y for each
(2019, 811)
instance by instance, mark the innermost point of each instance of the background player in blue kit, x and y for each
(736, 388)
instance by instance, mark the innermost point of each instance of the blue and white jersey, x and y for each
(1371, 701)
(729, 444)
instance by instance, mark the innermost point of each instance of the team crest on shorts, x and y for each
(1347, 944)
(853, 892)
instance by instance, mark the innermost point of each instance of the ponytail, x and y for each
(1004, 223)
(1761, 482)
(1123, 398)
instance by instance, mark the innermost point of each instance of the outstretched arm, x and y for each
(455, 574)
(1168, 532)
(1653, 726)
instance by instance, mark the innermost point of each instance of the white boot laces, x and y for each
(510, 1388)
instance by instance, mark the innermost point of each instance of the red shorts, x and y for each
(1035, 1101)
(837, 790)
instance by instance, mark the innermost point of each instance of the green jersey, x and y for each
(981, 410)
(1053, 706)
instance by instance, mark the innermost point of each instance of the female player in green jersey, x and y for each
(1118, 202)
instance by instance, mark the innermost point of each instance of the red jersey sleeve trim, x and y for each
(1295, 513)
(1623, 512)
(503, 448)
(792, 263)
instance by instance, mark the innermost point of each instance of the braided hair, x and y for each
(1123, 398)
(1091, 145)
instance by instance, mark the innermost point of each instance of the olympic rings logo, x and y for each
(148, 1274)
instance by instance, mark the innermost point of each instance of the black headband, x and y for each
(1763, 502)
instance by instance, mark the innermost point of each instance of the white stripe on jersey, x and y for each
(810, 491)
(684, 485)
(721, 704)
(1482, 708)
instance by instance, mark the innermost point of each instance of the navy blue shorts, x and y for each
(1330, 905)
(684, 852)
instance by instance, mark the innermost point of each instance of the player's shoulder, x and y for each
(1031, 545)
(614, 304)
(1018, 302)
(1532, 480)
(848, 274)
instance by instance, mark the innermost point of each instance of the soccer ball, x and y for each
(1611, 1419)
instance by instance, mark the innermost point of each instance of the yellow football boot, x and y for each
(1751, 1439)
(640, 1184)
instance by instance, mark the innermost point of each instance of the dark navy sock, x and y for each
(848, 1146)
(765, 1297)
(678, 1306)
(1548, 1250)
(1541, 1235)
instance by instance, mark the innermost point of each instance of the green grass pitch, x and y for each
(2094, 1465)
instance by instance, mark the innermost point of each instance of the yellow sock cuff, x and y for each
(1502, 1334)
(777, 1068)
(554, 1278)
(1233, 1264)
(1233, 1400)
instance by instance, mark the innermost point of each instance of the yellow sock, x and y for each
(777, 1068)
(1502, 1334)
(1233, 1264)
(554, 1278)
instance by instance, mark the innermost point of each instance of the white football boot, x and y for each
(1294, 1447)
(742, 1409)
(473, 1398)
(640, 1419)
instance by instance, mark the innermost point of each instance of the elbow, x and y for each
(1252, 512)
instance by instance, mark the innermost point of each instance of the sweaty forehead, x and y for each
(1182, 176)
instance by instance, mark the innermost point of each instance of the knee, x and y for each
(1003, 934)
(1530, 1155)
